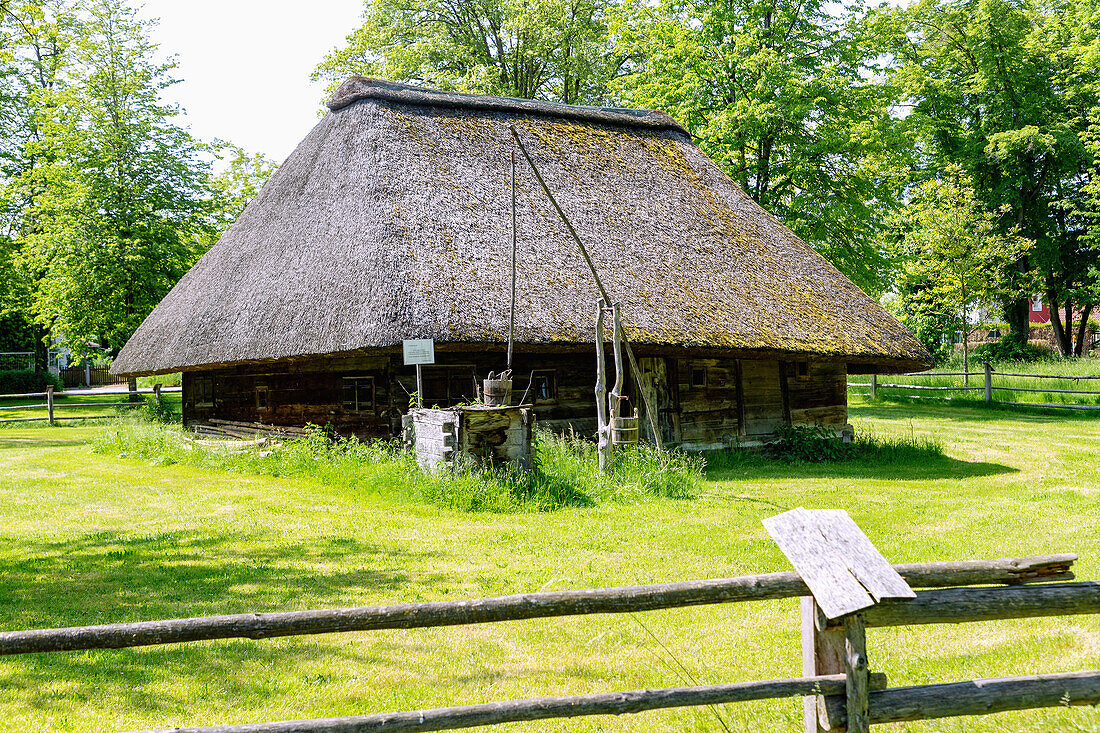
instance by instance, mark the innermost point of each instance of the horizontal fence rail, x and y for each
(987, 386)
(56, 401)
(976, 697)
(512, 711)
(962, 605)
(828, 696)
(769, 586)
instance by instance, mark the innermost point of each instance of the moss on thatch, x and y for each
(391, 221)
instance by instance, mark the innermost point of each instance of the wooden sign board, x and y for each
(418, 351)
(844, 571)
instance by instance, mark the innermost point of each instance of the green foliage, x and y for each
(105, 200)
(174, 379)
(537, 49)
(819, 443)
(809, 443)
(160, 412)
(788, 100)
(1006, 90)
(1009, 348)
(953, 259)
(564, 474)
(19, 381)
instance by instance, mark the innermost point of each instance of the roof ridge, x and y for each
(357, 88)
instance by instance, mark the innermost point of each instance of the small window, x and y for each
(447, 385)
(544, 388)
(359, 394)
(802, 369)
(261, 397)
(698, 377)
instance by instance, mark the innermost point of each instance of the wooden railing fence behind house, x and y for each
(54, 402)
(987, 387)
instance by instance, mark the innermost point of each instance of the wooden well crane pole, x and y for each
(642, 386)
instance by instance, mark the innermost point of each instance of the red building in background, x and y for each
(1038, 312)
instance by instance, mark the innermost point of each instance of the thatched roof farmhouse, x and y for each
(392, 221)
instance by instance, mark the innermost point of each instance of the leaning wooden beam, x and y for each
(977, 697)
(650, 407)
(960, 605)
(506, 608)
(542, 708)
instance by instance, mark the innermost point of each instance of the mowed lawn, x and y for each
(91, 539)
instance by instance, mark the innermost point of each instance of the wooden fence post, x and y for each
(874, 386)
(49, 404)
(823, 652)
(156, 393)
(857, 674)
(988, 383)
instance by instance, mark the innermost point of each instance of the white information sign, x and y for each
(419, 351)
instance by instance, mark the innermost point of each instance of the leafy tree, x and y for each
(954, 260)
(117, 200)
(235, 186)
(784, 95)
(1004, 89)
(35, 39)
(532, 49)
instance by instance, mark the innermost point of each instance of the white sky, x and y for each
(245, 65)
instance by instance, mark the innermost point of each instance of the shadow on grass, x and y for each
(964, 411)
(110, 577)
(28, 441)
(755, 467)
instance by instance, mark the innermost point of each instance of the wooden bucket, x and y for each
(624, 430)
(496, 392)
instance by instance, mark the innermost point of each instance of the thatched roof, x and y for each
(391, 220)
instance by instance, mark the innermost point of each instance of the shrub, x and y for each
(1009, 348)
(19, 381)
(818, 443)
(809, 443)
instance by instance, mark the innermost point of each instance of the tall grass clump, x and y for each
(820, 444)
(564, 471)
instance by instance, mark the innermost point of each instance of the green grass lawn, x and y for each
(90, 539)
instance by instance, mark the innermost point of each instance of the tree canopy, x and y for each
(107, 200)
(535, 49)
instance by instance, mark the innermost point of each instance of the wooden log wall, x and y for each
(817, 392)
(708, 403)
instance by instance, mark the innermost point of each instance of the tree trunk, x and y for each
(1060, 336)
(41, 349)
(1082, 331)
(1016, 315)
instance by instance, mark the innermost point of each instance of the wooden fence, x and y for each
(56, 402)
(88, 376)
(987, 387)
(832, 695)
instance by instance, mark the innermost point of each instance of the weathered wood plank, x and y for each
(978, 697)
(610, 703)
(862, 558)
(818, 562)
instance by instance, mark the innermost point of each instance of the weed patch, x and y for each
(564, 472)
